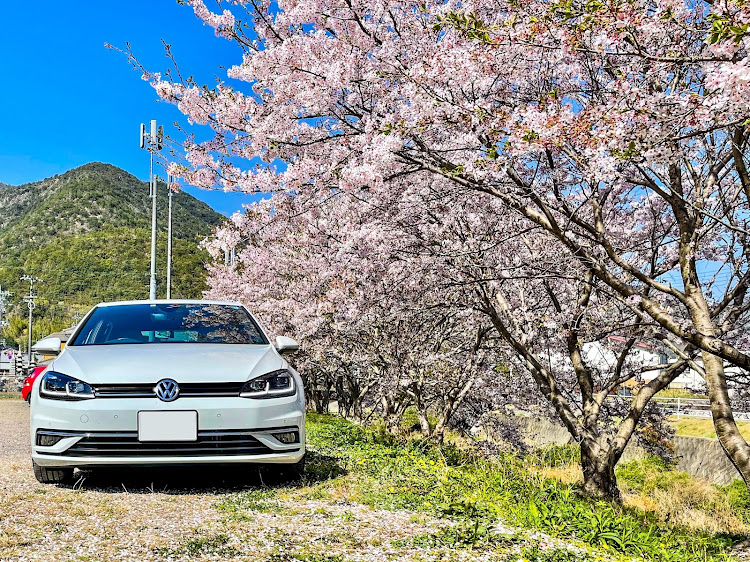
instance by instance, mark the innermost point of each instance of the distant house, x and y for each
(643, 355)
(6, 360)
(64, 336)
(696, 381)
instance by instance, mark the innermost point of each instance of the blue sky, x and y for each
(66, 100)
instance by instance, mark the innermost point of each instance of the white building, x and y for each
(644, 355)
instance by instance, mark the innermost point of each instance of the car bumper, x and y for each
(83, 462)
(104, 432)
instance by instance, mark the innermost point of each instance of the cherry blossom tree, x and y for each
(391, 305)
(618, 128)
(559, 323)
(371, 325)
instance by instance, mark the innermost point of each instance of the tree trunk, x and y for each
(393, 424)
(392, 414)
(312, 399)
(356, 401)
(438, 433)
(424, 424)
(347, 392)
(356, 408)
(320, 406)
(727, 432)
(598, 466)
(450, 405)
(327, 397)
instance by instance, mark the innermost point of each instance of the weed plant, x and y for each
(411, 474)
(675, 496)
(197, 547)
(554, 456)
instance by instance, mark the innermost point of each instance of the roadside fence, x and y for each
(688, 407)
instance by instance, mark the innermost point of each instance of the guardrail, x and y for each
(689, 408)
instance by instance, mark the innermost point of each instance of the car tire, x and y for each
(28, 398)
(295, 471)
(52, 475)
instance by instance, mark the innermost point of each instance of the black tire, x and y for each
(295, 471)
(52, 475)
(279, 473)
(28, 398)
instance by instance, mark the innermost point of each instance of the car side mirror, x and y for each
(50, 346)
(286, 345)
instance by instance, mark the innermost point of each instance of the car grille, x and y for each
(209, 443)
(146, 390)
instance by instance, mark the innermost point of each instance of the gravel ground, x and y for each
(14, 421)
(186, 515)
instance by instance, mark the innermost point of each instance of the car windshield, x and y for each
(169, 323)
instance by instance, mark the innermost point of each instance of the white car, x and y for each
(172, 382)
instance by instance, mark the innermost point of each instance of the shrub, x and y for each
(674, 496)
(555, 455)
(739, 498)
(645, 474)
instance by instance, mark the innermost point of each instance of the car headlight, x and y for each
(58, 386)
(275, 384)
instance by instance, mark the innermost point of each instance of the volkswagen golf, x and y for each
(174, 382)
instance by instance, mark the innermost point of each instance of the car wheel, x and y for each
(28, 398)
(295, 471)
(52, 475)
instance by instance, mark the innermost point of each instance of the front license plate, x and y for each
(168, 426)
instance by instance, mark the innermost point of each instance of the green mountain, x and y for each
(87, 235)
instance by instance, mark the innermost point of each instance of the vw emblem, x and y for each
(167, 390)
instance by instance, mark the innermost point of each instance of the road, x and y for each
(14, 439)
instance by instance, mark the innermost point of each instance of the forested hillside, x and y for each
(86, 235)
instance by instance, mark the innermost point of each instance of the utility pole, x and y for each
(152, 142)
(170, 193)
(30, 303)
(3, 296)
(76, 318)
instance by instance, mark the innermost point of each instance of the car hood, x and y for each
(183, 362)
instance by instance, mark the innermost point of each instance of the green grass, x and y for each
(699, 427)
(536, 553)
(679, 393)
(649, 474)
(555, 455)
(214, 545)
(387, 473)
(739, 498)
(259, 501)
(303, 557)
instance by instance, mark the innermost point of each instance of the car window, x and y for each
(169, 323)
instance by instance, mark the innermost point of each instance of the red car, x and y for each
(28, 382)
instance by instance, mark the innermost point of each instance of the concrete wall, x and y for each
(704, 458)
(698, 456)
